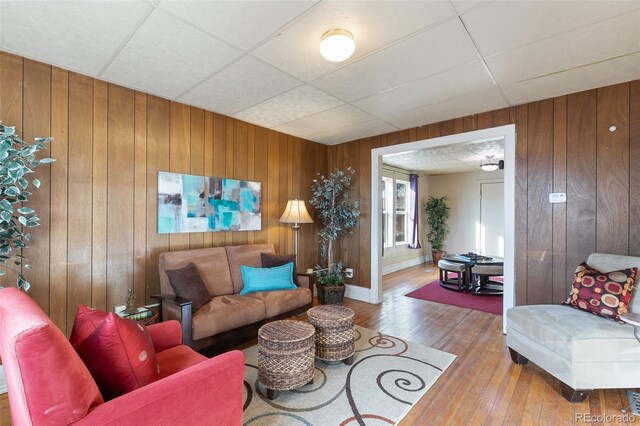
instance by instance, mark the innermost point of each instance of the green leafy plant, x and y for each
(17, 160)
(333, 277)
(338, 214)
(437, 212)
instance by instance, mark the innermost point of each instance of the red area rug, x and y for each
(434, 293)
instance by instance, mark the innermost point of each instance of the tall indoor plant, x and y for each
(437, 212)
(338, 215)
(17, 161)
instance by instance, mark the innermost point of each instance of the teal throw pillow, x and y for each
(267, 279)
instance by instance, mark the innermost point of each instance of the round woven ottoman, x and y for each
(285, 355)
(334, 332)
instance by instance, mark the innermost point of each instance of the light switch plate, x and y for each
(558, 197)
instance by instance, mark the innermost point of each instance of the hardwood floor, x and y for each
(482, 386)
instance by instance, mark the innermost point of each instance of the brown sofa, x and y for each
(228, 318)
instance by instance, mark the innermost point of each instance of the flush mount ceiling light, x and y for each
(337, 45)
(490, 164)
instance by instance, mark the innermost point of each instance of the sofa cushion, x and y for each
(281, 301)
(86, 321)
(187, 283)
(225, 313)
(247, 255)
(120, 356)
(574, 334)
(269, 260)
(211, 262)
(612, 262)
(178, 358)
(267, 279)
(603, 294)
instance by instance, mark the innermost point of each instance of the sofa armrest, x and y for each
(306, 280)
(165, 335)
(185, 314)
(178, 399)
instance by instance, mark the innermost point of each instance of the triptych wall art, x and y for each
(189, 203)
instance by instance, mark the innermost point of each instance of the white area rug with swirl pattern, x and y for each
(387, 377)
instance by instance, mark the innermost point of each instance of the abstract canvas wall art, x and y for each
(189, 203)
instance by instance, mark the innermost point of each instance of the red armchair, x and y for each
(48, 383)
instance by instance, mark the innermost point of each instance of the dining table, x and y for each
(470, 260)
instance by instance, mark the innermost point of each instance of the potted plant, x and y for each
(437, 214)
(338, 214)
(17, 160)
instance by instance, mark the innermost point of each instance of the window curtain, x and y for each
(414, 212)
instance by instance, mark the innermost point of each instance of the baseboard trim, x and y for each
(404, 264)
(3, 381)
(357, 293)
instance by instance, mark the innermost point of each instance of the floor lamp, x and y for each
(296, 213)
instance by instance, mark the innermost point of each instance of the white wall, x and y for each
(463, 197)
(400, 257)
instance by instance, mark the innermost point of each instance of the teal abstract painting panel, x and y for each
(189, 203)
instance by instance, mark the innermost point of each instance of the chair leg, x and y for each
(574, 395)
(517, 358)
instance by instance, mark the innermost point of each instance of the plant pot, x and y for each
(330, 294)
(437, 255)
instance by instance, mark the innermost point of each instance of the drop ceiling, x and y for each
(416, 62)
(460, 158)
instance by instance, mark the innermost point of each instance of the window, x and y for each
(395, 211)
(402, 212)
(387, 210)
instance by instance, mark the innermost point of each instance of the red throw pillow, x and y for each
(606, 294)
(86, 321)
(120, 356)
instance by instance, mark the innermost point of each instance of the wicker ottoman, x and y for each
(334, 332)
(285, 355)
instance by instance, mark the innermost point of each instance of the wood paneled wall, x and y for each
(563, 145)
(98, 201)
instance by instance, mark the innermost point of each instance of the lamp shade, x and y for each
(296, 212)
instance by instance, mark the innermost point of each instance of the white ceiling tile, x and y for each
(322, 122)
(244, 83)
(167, 57)
(429, 52)
(599, 42)
(462, 6)
(292, 105)
(505, 25)
(353, 132)
(458, 158)
(240, 23)
(451, 84)
(470, 103)
(77, 35)
(373, 24)
(602, 74)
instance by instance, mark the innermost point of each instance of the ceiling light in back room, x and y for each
(337, 45)
(490, 164)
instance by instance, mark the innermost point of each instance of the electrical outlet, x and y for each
(348, 273)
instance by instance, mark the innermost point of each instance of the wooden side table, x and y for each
(152, 319)
(311, 281)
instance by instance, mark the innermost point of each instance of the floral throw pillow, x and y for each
(606, 294)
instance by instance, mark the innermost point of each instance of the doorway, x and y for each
(507, 133)
(491, 227)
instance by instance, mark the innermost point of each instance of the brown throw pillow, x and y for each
(187, 283)
(270, 260)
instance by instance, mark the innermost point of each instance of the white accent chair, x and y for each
(582, 350)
